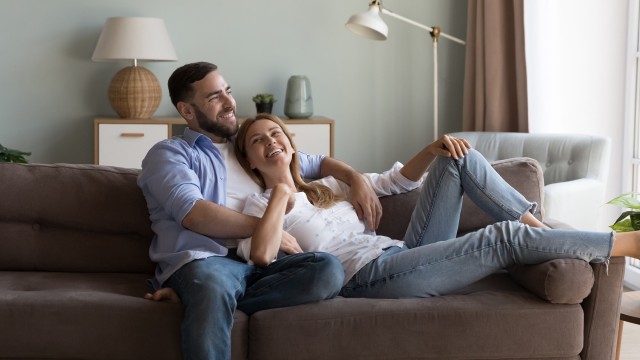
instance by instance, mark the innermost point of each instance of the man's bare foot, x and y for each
(164, 294)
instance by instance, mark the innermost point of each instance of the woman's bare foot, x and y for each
(164, 294)
(627, 244)
(531, 220)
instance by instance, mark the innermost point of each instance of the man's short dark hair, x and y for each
(180, 82)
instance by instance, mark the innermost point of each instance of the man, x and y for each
(194, 189)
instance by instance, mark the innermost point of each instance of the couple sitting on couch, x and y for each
(186, 184)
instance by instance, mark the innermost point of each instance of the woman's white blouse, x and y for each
(336, 230)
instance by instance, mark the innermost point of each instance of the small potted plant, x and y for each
(264, 102)
(11, 155)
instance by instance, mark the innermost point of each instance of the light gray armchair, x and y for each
(575, 169)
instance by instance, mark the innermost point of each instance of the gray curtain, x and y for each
(495, 85)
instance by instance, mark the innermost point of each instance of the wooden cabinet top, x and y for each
(181, 121)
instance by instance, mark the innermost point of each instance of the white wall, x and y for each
(379, 93)
(576, 64)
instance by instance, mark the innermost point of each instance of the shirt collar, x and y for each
(191, 136)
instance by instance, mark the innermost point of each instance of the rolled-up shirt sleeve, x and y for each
(168, 179)
(310, 165)
(391, 181)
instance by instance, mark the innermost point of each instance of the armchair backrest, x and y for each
(562, 157)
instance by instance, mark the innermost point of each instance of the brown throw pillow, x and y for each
(559, 281)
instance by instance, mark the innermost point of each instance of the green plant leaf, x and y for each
(264, 98)
(622, 226)
(11, 155)
(627, 200)
(625, 214)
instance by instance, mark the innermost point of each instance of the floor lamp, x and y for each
(369, 24)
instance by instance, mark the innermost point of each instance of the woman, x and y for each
(430, 260)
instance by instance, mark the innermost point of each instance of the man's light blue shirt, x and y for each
(175, 174)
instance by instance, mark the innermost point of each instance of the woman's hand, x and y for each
(446, 146)
(268, 235)
(291, 202)
(449, 146)
(289, 244)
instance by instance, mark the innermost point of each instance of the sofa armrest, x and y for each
(575, 202)
(602, 310)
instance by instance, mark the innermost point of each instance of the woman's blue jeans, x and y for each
(434, 262)
(211, 289)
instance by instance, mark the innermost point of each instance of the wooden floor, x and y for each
(630, 349)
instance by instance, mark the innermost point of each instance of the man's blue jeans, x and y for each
(211, 289)
(435, 262)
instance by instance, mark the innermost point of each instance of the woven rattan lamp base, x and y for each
(135, 93)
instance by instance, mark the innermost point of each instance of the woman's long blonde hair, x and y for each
(319, 195)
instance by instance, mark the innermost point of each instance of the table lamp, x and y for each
(134, 92)
(369, 24)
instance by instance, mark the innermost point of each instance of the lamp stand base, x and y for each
(135, 93)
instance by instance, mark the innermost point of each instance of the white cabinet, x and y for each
(312, 136)
(125, 142)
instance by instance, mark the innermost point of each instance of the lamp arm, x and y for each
(414, 23)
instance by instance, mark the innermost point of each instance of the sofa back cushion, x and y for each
(524, 174)
(73, 218)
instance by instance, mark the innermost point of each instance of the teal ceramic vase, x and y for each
(298, 103)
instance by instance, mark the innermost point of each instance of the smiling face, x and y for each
(268, 149)
(212, 108)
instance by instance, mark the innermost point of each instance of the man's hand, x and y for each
(366, 203)
(363, 198)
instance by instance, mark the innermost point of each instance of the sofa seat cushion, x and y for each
(491, 319)
(90, 316)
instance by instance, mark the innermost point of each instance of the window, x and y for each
(632, 125)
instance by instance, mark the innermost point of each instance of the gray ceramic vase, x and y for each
(298, 103)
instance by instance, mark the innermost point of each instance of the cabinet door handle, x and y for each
(132, 134)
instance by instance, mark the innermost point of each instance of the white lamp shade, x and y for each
(369, 24)
(134, 38)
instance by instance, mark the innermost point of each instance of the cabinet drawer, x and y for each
(125, 145)
(312, 138)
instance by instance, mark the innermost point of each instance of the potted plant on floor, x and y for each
(11, 155)
(630, 219)
(264, 102)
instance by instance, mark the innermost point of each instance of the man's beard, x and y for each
(215, 127)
